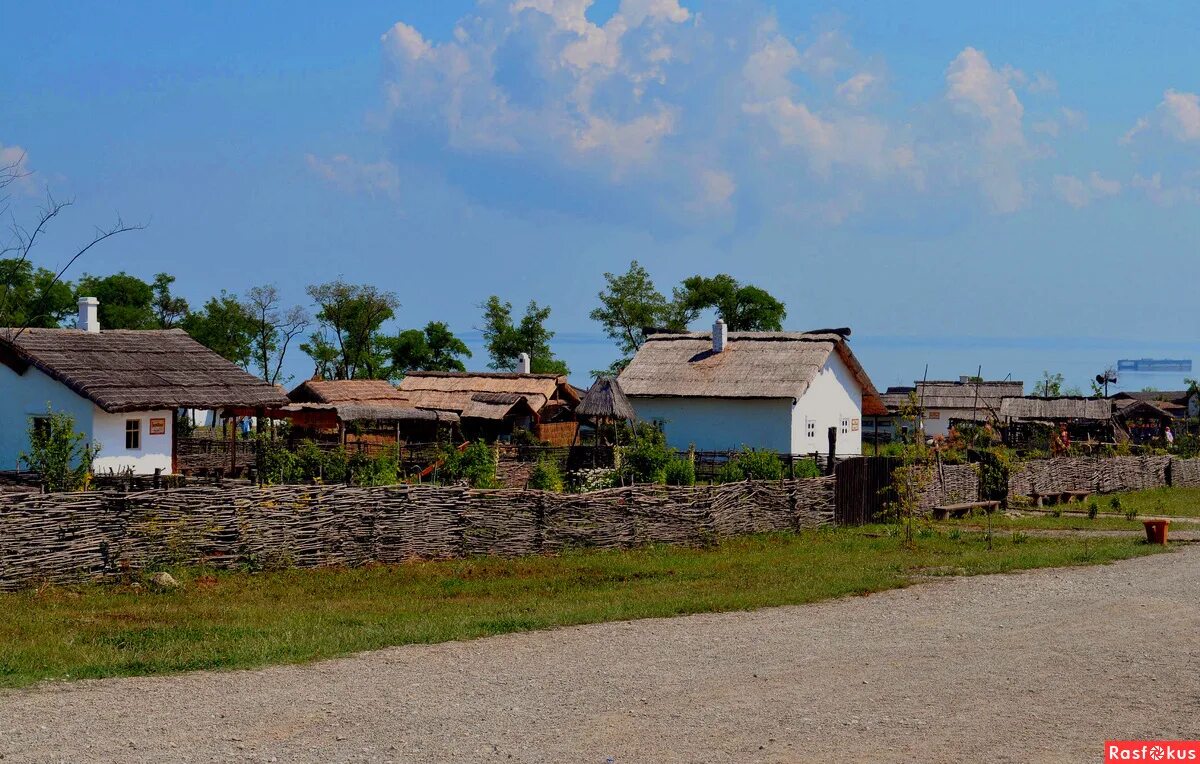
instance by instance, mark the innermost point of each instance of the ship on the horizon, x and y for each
(1154, 364)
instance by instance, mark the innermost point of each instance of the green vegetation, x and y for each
(476, 464)
(680, 471)
(546, 476)
(58, 453)
(646, 457)
(235, 620)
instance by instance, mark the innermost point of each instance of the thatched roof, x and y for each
(964, 394)
(136, 370)
(753, 365)
(1179, 397)
(606, 400)
(895, 397)
(1133, 407)
(1056, 409)
(364, 391)
(479, 394)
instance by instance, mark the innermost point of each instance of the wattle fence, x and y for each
(63, 538)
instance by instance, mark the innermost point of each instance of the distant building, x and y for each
(967, 400)
(779, 391)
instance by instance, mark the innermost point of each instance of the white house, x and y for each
(944, 402)
(779, 391)
(122, 387)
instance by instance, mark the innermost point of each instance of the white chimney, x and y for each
(720, 336)
(88, 321)
(523, 363)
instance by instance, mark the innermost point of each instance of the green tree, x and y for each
(60, 455)
(1049, 386)
(506, 340)
(434, 348)
(743, 307)
(629, 304)
(32, 296)
(169, 310)
(350, 343)
(274, 329)
(126, 302)
(225, 327)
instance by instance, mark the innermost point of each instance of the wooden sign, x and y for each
(853, 425)
(158, 426)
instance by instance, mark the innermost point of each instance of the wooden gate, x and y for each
(862, 489)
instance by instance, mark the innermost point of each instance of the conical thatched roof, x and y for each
(605, 400)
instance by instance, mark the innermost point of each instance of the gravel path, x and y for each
(1032, 667)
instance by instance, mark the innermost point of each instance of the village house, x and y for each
(495, 405)
(779, 391)
(946, 402)
(122, 387)
(366, 412)
(1031, 420)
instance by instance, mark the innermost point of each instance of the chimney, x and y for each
(523, 363)
(88, 321)
(720, 336)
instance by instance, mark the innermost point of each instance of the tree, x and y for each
(349, 344)
(506, 340)
(169, 310)
(628, 305)
(743, 308)
(1050, 385)
(274, 329)
(126, 302)
(60, 455)
(225, 327)
(434, 348)
(33, 296)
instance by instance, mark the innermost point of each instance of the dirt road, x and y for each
(1033, 667)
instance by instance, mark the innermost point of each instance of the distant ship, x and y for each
(1154, 364)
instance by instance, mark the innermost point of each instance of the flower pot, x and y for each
(1156, 531)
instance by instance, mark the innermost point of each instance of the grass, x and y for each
(1169, 502)
(1181, 503)
(225, 620)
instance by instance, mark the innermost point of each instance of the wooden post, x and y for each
(233, 445)
(158, 477)
(832, 450)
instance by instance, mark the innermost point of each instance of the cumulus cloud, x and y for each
(15, 175)
(1177, 116)
(1080, 192)
(352, 176)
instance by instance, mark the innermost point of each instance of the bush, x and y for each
(476, 464)
(680, 471)
(546, 476)
(320, 464)
(60, 456)
(760, 465)
(1093, 510)
(729, 472)
(381, 470)
(645, 458)
(805, 468)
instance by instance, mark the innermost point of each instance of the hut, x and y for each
(1032, 420)
(605, 403)
(1146, 420)
(364, 414)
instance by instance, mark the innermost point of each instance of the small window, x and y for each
(812, 428)
(659, 424)
(133, 434)
(845, 425)
(41, 426)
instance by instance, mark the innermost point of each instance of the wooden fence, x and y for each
(69, 537)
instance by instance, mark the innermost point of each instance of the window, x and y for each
(659, 424)
(133, 434)
(41, 426)
(845, 425)
(812, 428)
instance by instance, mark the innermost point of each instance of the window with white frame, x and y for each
(133, 434)
(845, 425)
(810, 428)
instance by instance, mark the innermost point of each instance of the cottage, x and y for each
(1030, 420)
(494, 405)
(122, 387)
(373, 409)
(780, 391)
(946, 402)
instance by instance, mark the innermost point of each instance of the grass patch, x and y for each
(1169, 502)
(223, 620)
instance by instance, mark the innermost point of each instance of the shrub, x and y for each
(324, 465)
(476, 464)
(59, 454)
(645, 458)
(729, 472)
(760, 465)
(381, 470)
(1131, 514)
(1093, 510)
(546, 476)
(805, 468)
(680, 471)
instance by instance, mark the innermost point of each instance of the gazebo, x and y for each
(605, 402)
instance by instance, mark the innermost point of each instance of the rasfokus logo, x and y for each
(1151, 750)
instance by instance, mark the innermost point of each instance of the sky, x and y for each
(1010, 185)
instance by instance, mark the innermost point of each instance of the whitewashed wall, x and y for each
(833, 399)
(25, 396)
(721, 424)
(109, 431)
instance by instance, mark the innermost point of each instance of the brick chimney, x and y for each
(88, 320)
(720, 336)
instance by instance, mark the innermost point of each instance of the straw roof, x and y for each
(753, 365)
(606, 400)
(1061, 408)
(364, 391)
(136, 370)
(476, 394)
(895, 397)
(966, 394)
(1132, 407)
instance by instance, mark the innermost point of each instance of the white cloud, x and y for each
(1079, 192)
(855, 89)
(1177, 116)
(14, 162)
(353, 176)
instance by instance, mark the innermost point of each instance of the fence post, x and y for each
(157, 477)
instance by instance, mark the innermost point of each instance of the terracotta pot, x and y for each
(1156, 531)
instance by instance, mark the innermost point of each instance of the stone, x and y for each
(165, 580)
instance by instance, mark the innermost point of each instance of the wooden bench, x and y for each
(1060, 497)
(945, 511)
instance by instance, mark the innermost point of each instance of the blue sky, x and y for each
(937, 170)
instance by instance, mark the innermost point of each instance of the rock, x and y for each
(165, 580)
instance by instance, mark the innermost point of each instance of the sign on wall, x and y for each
(158, 426)
(853, 425)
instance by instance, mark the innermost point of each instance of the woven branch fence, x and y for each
(63, 538)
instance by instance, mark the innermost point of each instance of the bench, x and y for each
(1060, 497)
(945, 511)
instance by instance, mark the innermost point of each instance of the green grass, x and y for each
(235, 620)
(1169, 502)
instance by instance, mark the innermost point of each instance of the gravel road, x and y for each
(1032, 667)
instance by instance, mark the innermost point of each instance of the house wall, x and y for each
(27, 395)
(941, 424)
(108, 430)
(720, 424)
(833, 399)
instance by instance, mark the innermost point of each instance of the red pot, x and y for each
(1156, 531)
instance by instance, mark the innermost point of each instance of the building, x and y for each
(780, 391)
(362, 412)
(943, 402)
(123, 388)
(1030, 420)
(494, 405)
